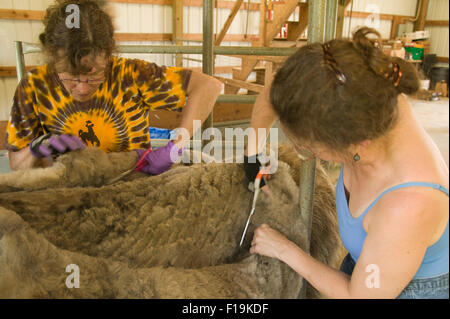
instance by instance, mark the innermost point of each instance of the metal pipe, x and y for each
(235, 98)
(306, 201)
(308, 168)
(222, 50)
(227, 144)
(176, 49)
(331, 18)
(316, 20)
(20, 60)
(208, 48)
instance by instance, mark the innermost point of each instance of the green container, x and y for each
(416, 53)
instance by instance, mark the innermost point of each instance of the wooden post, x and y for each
(262, 23)
(296, 29)
(227, 24)
(394, 27)
(268, 75)
(177, 34)
(419, 25)
(342, 6)
(281, 13)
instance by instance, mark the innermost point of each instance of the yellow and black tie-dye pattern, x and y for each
(115, 119)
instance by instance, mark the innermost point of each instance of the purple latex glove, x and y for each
(53, 145)
(161, 159)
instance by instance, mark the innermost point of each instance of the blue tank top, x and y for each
(436, 259)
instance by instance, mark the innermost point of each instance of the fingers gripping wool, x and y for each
(175, 235)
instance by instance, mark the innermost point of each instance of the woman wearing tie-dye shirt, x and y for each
(85, 95)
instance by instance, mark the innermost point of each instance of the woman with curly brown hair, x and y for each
(343, 101)
(85, 95)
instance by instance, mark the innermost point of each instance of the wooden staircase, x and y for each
(268, 30)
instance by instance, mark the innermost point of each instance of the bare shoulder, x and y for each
(418, 211)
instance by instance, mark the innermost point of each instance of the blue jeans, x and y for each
(426, 288)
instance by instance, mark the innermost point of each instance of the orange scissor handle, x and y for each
(262, 173)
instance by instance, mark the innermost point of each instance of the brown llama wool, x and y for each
(175, 235)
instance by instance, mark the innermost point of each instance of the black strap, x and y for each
(252, 166)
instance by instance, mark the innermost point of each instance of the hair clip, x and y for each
(398, 72)
(331, 61)
(395, 75)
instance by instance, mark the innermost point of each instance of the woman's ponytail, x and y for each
(402, 74)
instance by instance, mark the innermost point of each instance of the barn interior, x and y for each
(176, 235)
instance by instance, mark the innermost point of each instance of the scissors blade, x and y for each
(246, 225)
(141, 162)
(119, 177)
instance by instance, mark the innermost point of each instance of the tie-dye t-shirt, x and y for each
(115, 119)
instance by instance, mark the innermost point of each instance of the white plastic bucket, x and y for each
(424, 84)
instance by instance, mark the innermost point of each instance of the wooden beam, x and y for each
(217, 69)
(443, 59)
(419, 25)
(197, 37)
(295, 30)
(241, 84)
(281, 13)
(342, 6)
(242, 73)
(38, 15)
(223, 112)
(131, 37)
(383, 16)
(262, 25)
(229, 37)
(177, 35)
(192, 3)
(394, 27)
(157, 2)
(268, 73)
(3, 125)
(436, 23)
(10, 71)
(228, 22)
(276, 59)
(21, 14)
(222, 4)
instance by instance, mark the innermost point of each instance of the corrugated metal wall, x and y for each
(135, 18)
(438, 10)
(129, 18)
(398, 7)
(9, 32)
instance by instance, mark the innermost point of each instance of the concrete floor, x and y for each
(433, 115)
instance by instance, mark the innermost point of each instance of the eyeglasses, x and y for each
(88, 81)
(331, 61)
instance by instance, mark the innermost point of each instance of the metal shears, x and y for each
(139, 165)
(257, 189)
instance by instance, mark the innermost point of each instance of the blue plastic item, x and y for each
(161, 133)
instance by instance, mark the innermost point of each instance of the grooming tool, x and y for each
(139, 165)
(255, 197)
